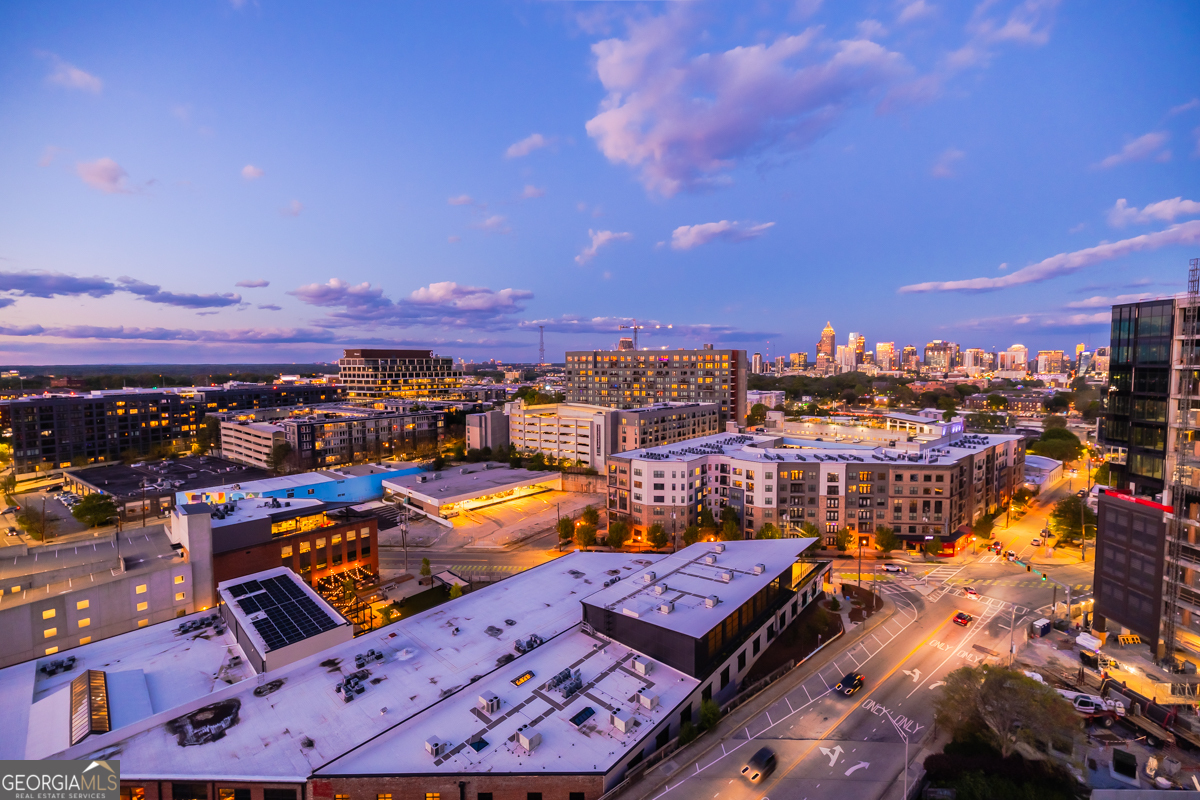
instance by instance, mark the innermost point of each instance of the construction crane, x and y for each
(635, 328)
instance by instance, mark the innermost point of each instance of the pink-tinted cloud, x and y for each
(1187, 233)
(104, 175)
(253, 283)
(914, 11)
(532, 191)
(1182, 107)
(1107, 302)
(1145, 146)
(683, 121)
(442, 303)
(292, 209)
(48, 155)
(600, 239)
(251, 172)
(70, 76)
(461, 200)
(527, 145)
(496, 223)
(1122, 213)
(685, 237)
(944, 166)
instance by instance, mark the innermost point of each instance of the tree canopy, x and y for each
(585, 535)
(618, 533)
(1071, 519)
(757, 415)
(590, 516)
(658, 536)
(94, 509)
(768, 531)
(565, 528)
(843, 539)
(886, 539)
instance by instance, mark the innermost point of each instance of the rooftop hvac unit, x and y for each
(718, 548)
(489, 703)
(726, 576)
(435, 747)
(642, 666)
(667, 607)
(759, 569)
(622, 720)
(648, 577)
(529, 738)
(422, 478)
(660, 588)
(710, 559)
(711, 601)
(648, 699)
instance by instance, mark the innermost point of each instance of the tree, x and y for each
(849, 397)
(456, 591)
(1007, 708)
(886, 539)
(590, 516)
(933, 548)
(997, 401)
(768, 531)
(810, 531)
(657, 535)
(1092, 410)
(757, 415)
(436, 463)
(966, 389)
(565, 528)
(730, 530)
(706, 519)
(983, 526)
(949, 406)
(1103, 475)
(1060, 401)
(1068, 515)
(536, 462)
(618, 533)
(8, 484)
(1059, 449)
(388, 614)
(729, 514)
(209, 436)
(1053, 421)
(460, 451)
(94, 509)
(426, 569)
(843, 539)
(988, 423)
(691, 534)
(278, 459)
(710, 714)
(585, 536)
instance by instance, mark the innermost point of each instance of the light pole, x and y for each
(1011, 642)
(903, 736)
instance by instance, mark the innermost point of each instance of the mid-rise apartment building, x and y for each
(1051, 362)
(885, 356)
(369, 374)
(325, 436)
(940, 356)
(633, 379)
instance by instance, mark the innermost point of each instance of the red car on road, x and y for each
(963, 618)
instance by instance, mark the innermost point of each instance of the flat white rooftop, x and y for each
(150, 671)
(685, 580)
(258, 508)
(464, 483)
(297, 722)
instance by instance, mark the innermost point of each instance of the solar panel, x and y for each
(248, 605)
(239, 590)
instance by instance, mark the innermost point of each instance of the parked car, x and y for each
(963, 618)
(11, 510)
(760, 765)
(850, 684)
(1036, 543)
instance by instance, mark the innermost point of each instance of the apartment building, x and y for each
(369, 374)
(325, 436)
(1051, 362)
(487, 429)
(665, 423)
(932, 487)
(940, 356)
(633, 379)
(885, 356)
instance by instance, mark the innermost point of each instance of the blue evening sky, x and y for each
(273, 181)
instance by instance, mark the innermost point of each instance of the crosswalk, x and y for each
(945, 573)
(463, 569)
(1079, 587)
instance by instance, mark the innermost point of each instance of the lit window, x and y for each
(179, 579)
(141, 588)
(142, 606)
(82, 604)
(86, 621)
(143, 623)
(85, 640)
(51, 651)
(50, 633)
(48, 613)
(383, 797)
(179, 596)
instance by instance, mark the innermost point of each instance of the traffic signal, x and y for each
(1043, 576)
(1028, 567)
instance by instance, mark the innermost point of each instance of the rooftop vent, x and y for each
(759, 569)
(489, 703)
(660, 588)
(529, 738)
(435, 747)
(648, 577)
(648, 699)
(718, 548)
(726, 576)
(643, 666)
(667, 607)
(710, 559)
(622, 720)
(711, 601)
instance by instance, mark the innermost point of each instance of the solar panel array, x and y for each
(291, 615)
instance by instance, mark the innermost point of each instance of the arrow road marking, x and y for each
(915, 673)
(936, 685)
(833, 754)
(858, 766)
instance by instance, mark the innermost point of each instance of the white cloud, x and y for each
(292, 209)
(944, 166)
(71, 76)
(251, 172)
(871, 29)
(600, 239)
(496, 223)
(253, 283)
(103, 174)
(683, 121)
(1122, 213)
(914, 11)
(532, 191)
(461, 200)
(442, 303)
(1182, 107)
(685, 237)
(1066, 263)
(451, 296)
(49, 153)
(526, 146)
(1105, 302)
(1141, 148)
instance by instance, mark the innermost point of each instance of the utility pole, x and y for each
(43, 518)
(1011, 626)
(903, 736)
(541, 345)
(860, 546)
(404, 536)
(143, 502)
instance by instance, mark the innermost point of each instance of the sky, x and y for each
(272, 181)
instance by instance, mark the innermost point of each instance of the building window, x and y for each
(48, 613)
(233, 794)
(50, 633)
(83, 623)
(141, 588)
(179, 579)
(383, 796)
(179, 596)
(51, 651)
(142, 606)
(433, 796)
(341, 797)
(286, 551)
(279, 794)
(82, 604)
(85, 640)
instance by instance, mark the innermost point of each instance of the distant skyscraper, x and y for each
(1079, 348)
(940, 355)
(1014, 359)
(625, 343)
(856, 343)
(780, 364)
(756, 364)
(799, 360)
(885, 355)
(1051, 362)
(972, 359)
(909, 358)
(825, 347)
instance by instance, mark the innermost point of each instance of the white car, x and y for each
(1036, 543)
(892, 568)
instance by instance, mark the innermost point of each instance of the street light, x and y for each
(903, 736)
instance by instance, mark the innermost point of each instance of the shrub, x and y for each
(710, 714)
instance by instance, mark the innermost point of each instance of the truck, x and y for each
(1095, 708)
(1139, 714)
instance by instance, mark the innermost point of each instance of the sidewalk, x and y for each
(651, 784)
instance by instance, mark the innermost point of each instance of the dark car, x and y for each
(850, 684)
(963, 618)
(760, 765)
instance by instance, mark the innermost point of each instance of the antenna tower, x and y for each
(541, 345)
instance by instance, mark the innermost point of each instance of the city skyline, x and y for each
(259, 182)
